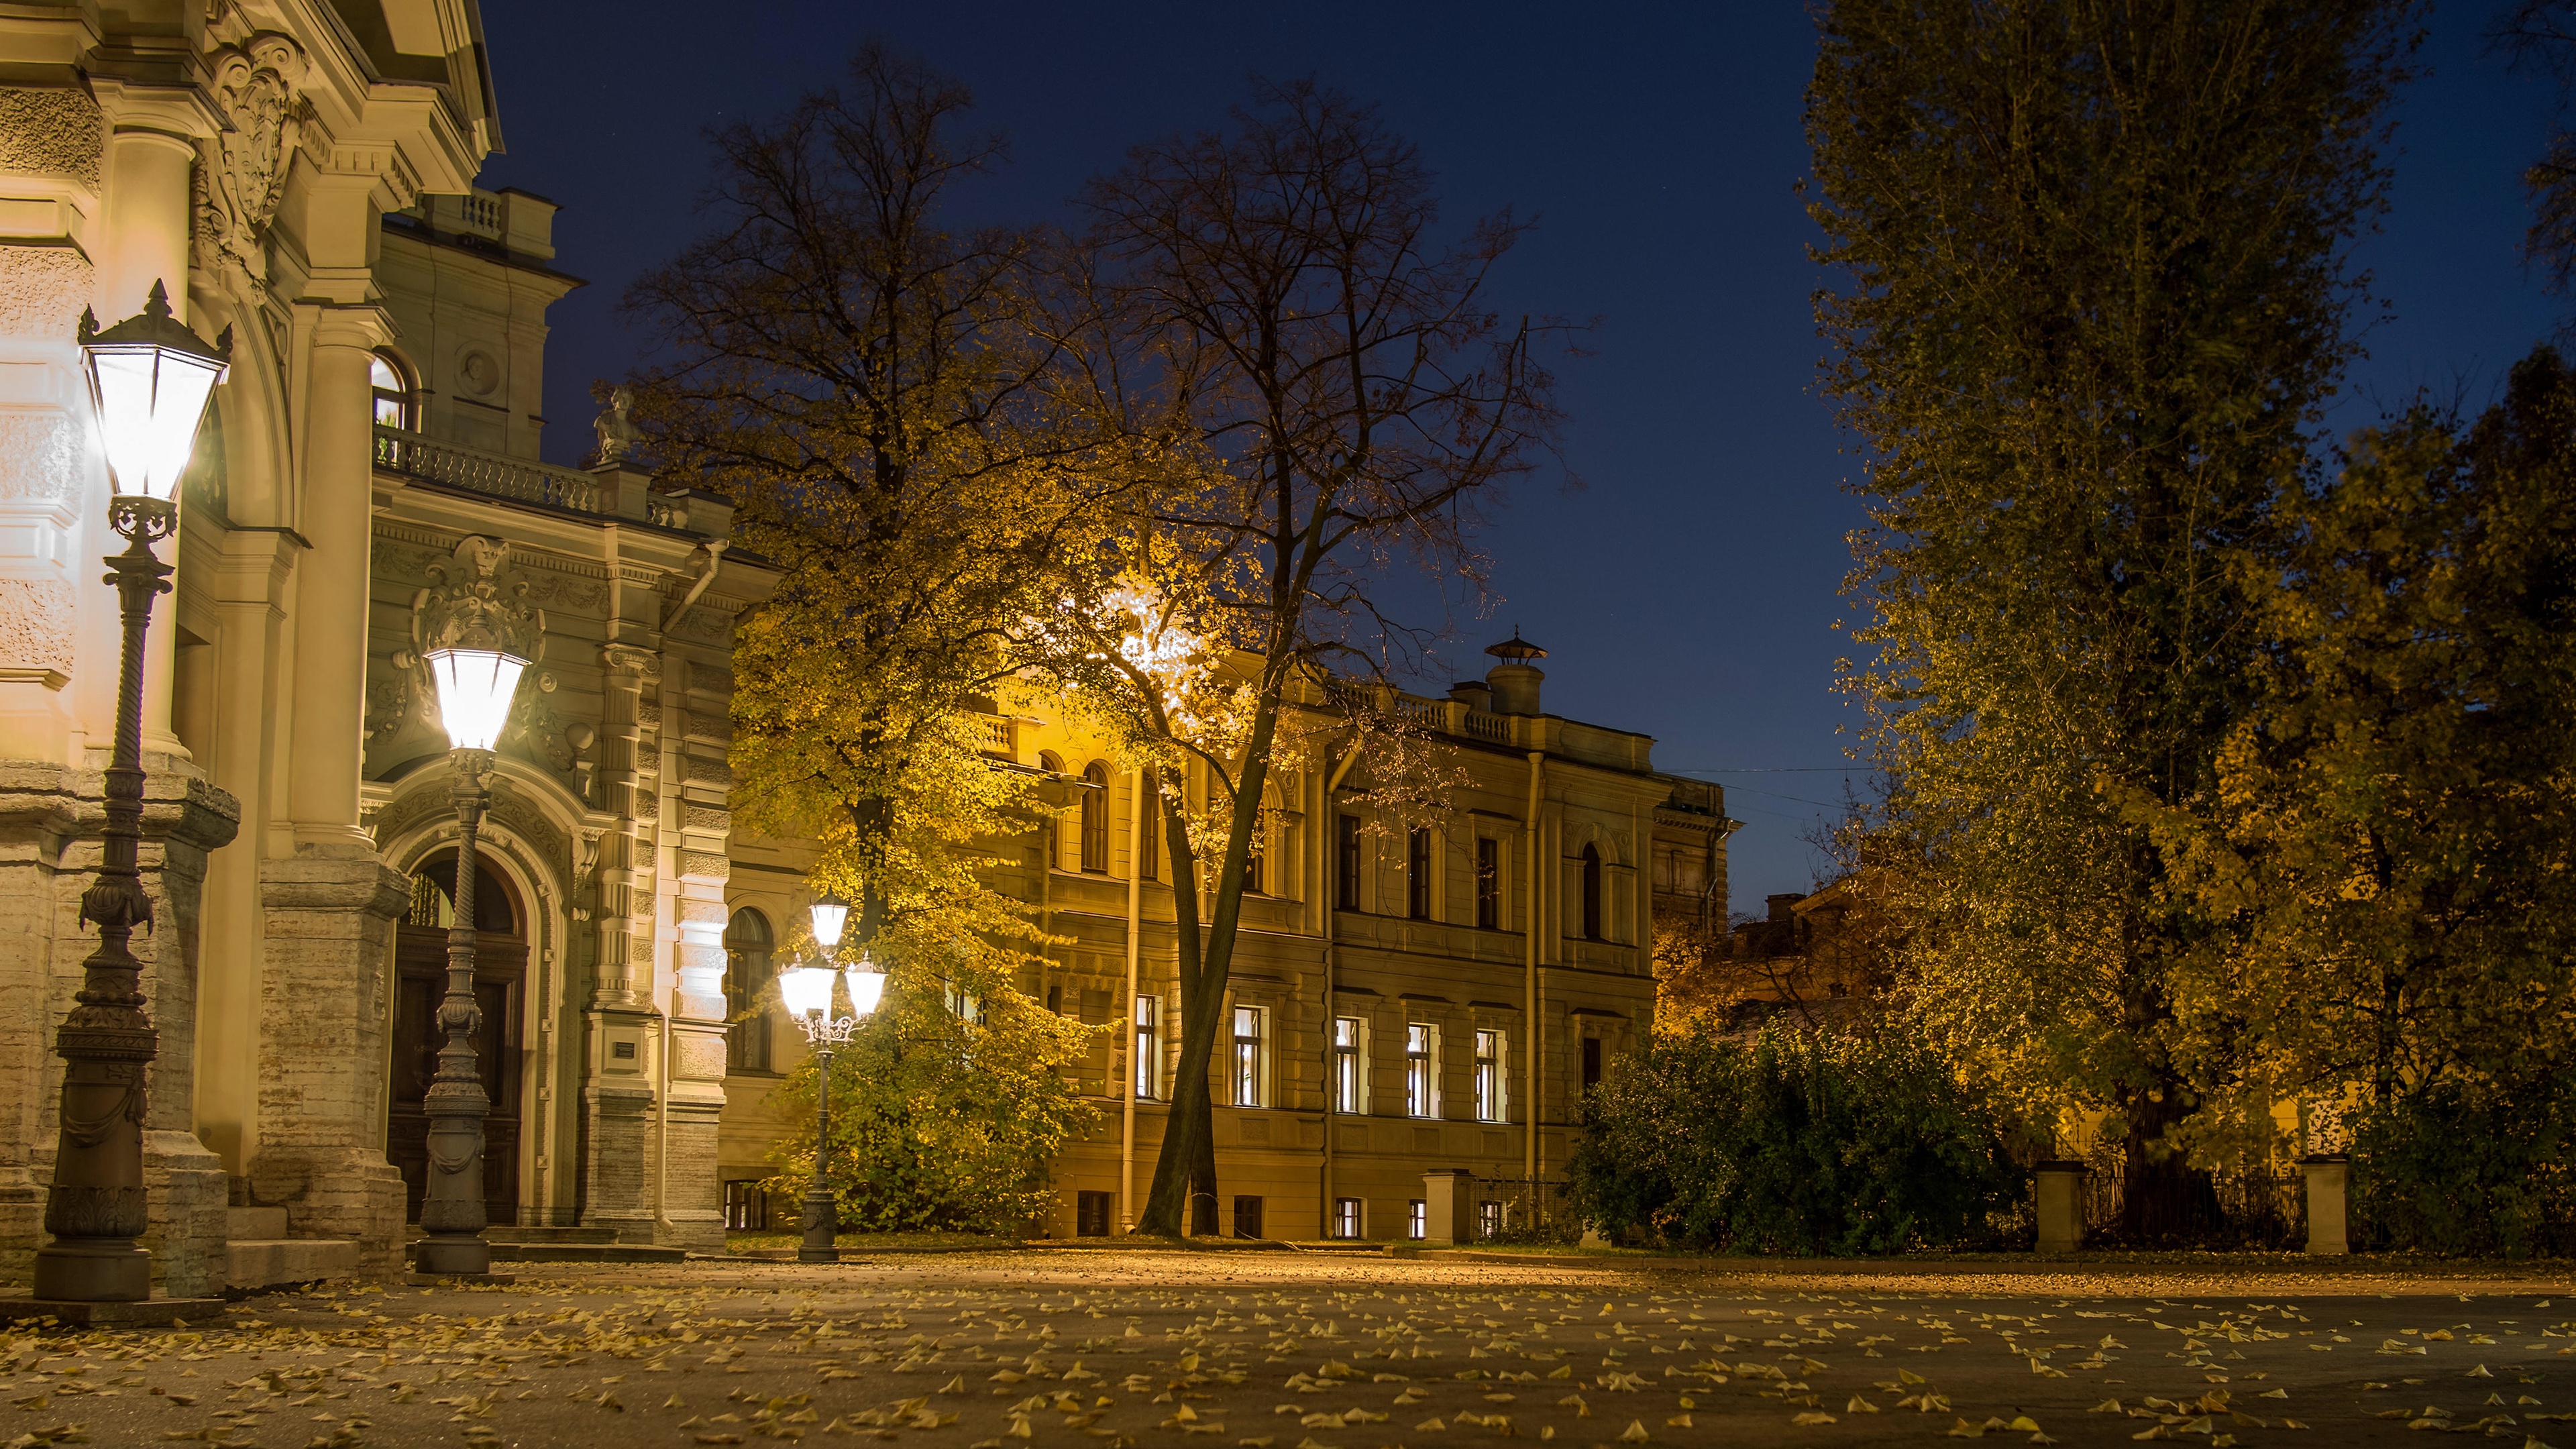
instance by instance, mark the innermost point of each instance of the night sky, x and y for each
(1689, 589)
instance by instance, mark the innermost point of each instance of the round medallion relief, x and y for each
(477, 373)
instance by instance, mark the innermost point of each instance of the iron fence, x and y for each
(2260, 1207)
(1525, 1210)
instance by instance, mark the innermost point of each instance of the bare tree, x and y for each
(1329, 392)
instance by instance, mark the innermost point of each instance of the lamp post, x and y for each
(149, 382)
(476, 673)
(807, 991)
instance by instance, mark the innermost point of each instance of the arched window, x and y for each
(747, 942)
(1592, 893)
(1095, 817)
(393, 393)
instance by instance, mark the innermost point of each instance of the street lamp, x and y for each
(149, 382)
(476, 673)
(807, 992)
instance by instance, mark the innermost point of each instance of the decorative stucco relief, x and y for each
(54, 133)
(42, 291)
(36, 624)
(241, 174)
(40, 455)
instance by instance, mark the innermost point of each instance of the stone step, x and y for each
(275, 1262)
(254, 1224)
(557, 1252)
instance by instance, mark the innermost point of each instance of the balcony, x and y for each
(566, 490)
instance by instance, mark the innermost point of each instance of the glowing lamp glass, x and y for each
(475, 687)
(830, 914)
(807, 990)
(867, 988)
(150, 401)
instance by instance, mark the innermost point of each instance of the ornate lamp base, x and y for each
(93, 1269)
(136, 1313)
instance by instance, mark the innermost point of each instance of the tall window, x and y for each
(1095, 817)
(1489, 1076)
(1149, 835)
(747, 942)
(1592, 893)
(1347, 1222)
(1247, 1056)
(1252, 865)
(1146, 1067)
(1417, 1219)
(1417, 873)
(1489, 883)
(393, 394)
(1591, 1062)
(1350, 1065)
(1422, 1070)
(1346, 862)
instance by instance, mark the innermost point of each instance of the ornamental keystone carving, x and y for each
(469, 604)
(241, 175)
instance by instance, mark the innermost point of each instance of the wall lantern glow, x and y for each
(867, 987)
(830, 914)
(150, 379)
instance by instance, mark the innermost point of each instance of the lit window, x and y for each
(1489, 1076)
(1350, 1080)
(1347, 1219)
(1247, 1056)
(963, 1005)
(393, 396)
(1417, 873)
(1417, 1219)
(1421, 1070)
(1148, 1064)
(1489, 1220)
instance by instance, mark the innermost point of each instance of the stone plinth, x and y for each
(324, 1008)
(1448, 1207)
(2329, 1203)
(2058, 1195)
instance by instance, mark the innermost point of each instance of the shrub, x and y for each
(2469, 1167)
(1794, 1142)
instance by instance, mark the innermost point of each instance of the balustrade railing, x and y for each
(490, 473)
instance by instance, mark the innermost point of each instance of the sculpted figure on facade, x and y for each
(617, 432)
(241, 175)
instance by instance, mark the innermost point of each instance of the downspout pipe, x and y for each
(1127, 1016)
(1537, 1038)
(1324, 886)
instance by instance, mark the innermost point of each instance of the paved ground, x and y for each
(1127, 1349)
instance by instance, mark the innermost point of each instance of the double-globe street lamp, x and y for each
(476, 671)
(150, 379)
(807, 992)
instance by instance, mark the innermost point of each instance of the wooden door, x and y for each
(420, 975)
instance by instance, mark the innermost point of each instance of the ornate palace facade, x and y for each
(302, 174)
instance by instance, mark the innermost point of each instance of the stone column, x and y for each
(695, 787)
(331, 587)
(2058, 1189)
(2329, 1203)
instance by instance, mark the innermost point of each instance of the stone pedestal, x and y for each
(50, 817)
(324, 1014)
(2058, 1195)
(1448, 1207)
(2329, 1193)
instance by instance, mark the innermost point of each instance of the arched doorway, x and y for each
(500, 979)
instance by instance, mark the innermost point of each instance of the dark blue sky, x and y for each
(1690, 590)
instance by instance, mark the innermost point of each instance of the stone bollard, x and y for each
(2329, 1191)
(1447, 1213)
(2059, 1198)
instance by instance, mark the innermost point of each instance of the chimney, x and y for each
(1781, 905)
(1515, 681)
(1474, 693)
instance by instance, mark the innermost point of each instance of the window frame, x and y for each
(1144, 1046)
(404, 398)
(1350, 1218)
(1417, 1219)
(1422, 1070)
(1417, 873)
(1492, 1103)
(1592, 893)
(1350, 1065)
(1348, 862)
(1489, 883)
(750, 1047)
(1246, 1061)
(1094, 848)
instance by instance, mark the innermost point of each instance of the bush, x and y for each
(2469, 1167)
(1795, 1142)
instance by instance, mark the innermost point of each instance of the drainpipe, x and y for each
(1537, 1039)
(1327, 832)
(1127, 1012)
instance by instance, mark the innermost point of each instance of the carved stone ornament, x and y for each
(617, 432)
(241, 175)
(469, 604)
